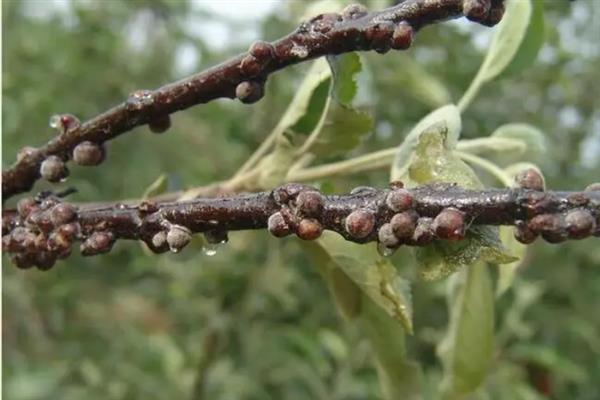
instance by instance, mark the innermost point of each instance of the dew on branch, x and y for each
(64, 122)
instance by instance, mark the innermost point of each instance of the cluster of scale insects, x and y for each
(45, 227)
(381, 34)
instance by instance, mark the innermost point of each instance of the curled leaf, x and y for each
(445, 118)
(159, 186)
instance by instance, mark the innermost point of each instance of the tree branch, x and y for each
(42, 230)
(242, 77)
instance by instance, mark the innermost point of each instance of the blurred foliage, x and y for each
(256, 320)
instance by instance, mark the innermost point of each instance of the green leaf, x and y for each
(275, 166)
(159, 186)
(346, 293)
(368, 287)
(506, 45)
(507, 39)
(420, 83)
(531, 45)
(399, 377)
(466, 350)
(345, 68)
(373, 274)
(309, 99)
(551, 359)
(343, 130)
(492, 145)
(315, 108)
(532, 137)
(446, 118)
(507, 272)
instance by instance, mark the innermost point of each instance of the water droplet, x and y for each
(55, 122)
(209, 249)
(385, 251)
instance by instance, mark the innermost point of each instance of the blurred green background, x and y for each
(255, 321)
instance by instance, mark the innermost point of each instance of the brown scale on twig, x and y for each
(43, 230)
(243, 77)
